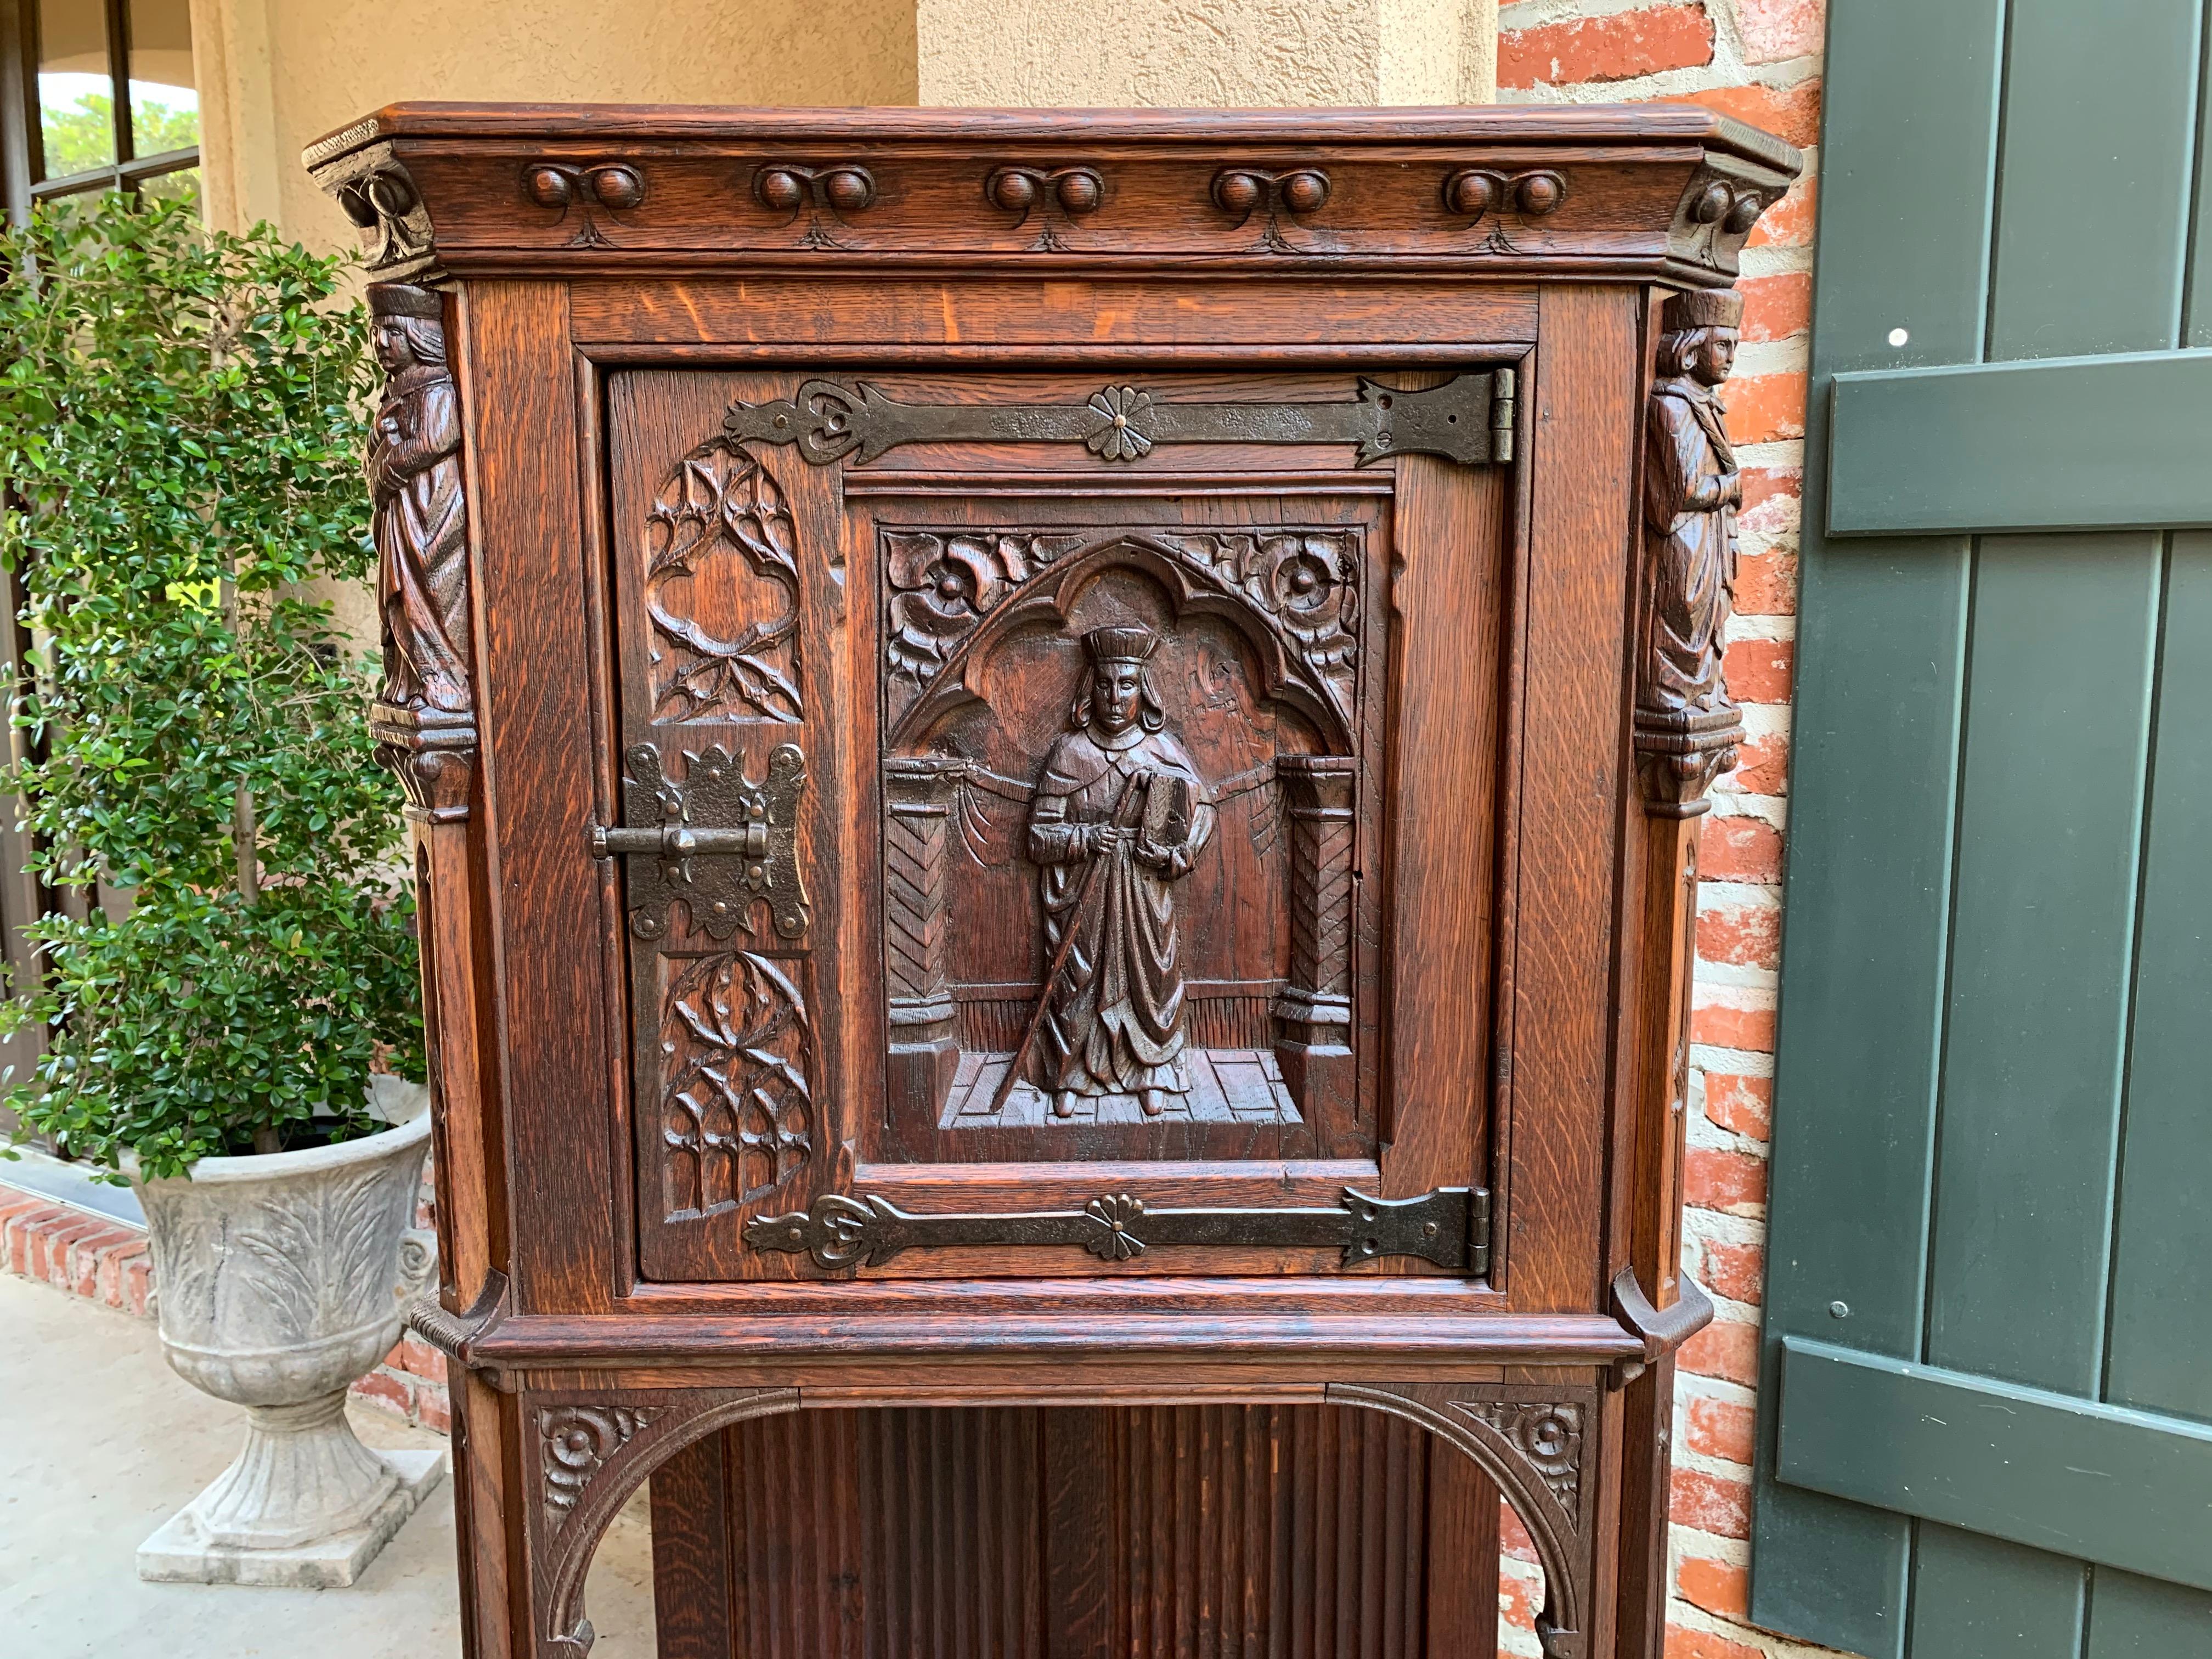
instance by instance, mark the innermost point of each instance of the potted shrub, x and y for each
(233, 1026)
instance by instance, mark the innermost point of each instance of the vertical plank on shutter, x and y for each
(2063, 653)
(2101, 112)
(2133, 1617)
(2159, 1356)
(1905, 201)
(2058, 711)
(2056, 721)
(1981, 1598)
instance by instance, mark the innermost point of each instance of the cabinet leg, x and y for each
(1647, 1413)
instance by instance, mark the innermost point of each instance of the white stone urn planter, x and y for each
(279, 1279)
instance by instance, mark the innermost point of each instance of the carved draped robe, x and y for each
(1691, 513)
(421, 540)
(1114, 1020)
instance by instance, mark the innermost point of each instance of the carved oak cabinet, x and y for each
(1056, 760)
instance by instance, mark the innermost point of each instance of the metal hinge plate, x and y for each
(1449, 1226)
(718, 840)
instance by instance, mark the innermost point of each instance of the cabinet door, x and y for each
(1060, 830)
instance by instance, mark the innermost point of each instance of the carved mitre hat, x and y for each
(405, 299)
(1702, 308)
(1120, 644)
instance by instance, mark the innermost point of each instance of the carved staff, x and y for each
(1131, 796)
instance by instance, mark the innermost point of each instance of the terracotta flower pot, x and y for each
(279, 1280)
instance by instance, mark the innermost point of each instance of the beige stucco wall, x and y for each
(1206, 52)
(277, 74)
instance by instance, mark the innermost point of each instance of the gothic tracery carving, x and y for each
(721, 500)
(738, 1110)
(1302, 583)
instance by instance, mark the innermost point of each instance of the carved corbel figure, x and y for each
(425, 714)
(1688, 727)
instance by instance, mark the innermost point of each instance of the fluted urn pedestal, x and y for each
(279, 1280)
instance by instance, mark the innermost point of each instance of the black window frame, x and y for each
(22, 139)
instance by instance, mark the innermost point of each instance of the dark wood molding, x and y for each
(1495, 189)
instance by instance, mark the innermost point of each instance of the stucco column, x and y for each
(1212, 53)
(242, 157)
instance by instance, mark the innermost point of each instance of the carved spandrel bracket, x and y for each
(590, 1455)
(1449, 1226)
(718, 840)
(1469, 419)
(1534, 1441)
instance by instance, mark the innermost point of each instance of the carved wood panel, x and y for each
(1111, 759)
(1185, 986)
(724, 579)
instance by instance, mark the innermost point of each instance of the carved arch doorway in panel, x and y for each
(1226, 924)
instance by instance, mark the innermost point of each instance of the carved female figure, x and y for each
(1117, 791)
(1691, 490)
(421, 529)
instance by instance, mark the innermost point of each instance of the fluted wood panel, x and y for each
(1268, 1533)
(1167, 1533)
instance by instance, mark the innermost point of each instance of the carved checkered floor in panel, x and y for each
(1227, 1085)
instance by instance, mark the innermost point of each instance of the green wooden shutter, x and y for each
(1986, 1391)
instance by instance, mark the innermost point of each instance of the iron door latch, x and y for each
(718, 840)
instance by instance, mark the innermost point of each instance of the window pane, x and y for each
(182, 185)
(165, 109)
(76, 108)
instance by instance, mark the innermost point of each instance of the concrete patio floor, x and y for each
(102, 1443)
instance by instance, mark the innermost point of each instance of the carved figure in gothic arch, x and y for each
(1118, 815)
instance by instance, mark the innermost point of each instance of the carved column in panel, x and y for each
(1314, 1013)
(920, 798)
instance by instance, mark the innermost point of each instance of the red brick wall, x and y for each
(1759, 60)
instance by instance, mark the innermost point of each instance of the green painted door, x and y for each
(1986, 1391)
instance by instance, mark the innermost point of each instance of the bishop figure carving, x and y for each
(1119, 816)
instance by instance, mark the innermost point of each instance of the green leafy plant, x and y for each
(181, 418)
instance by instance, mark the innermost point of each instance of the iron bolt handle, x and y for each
(681, 841)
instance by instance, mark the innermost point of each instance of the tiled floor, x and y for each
(102, 1441)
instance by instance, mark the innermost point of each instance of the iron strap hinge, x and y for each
(1469, 419)
(1449, 1226)
(718, 840)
